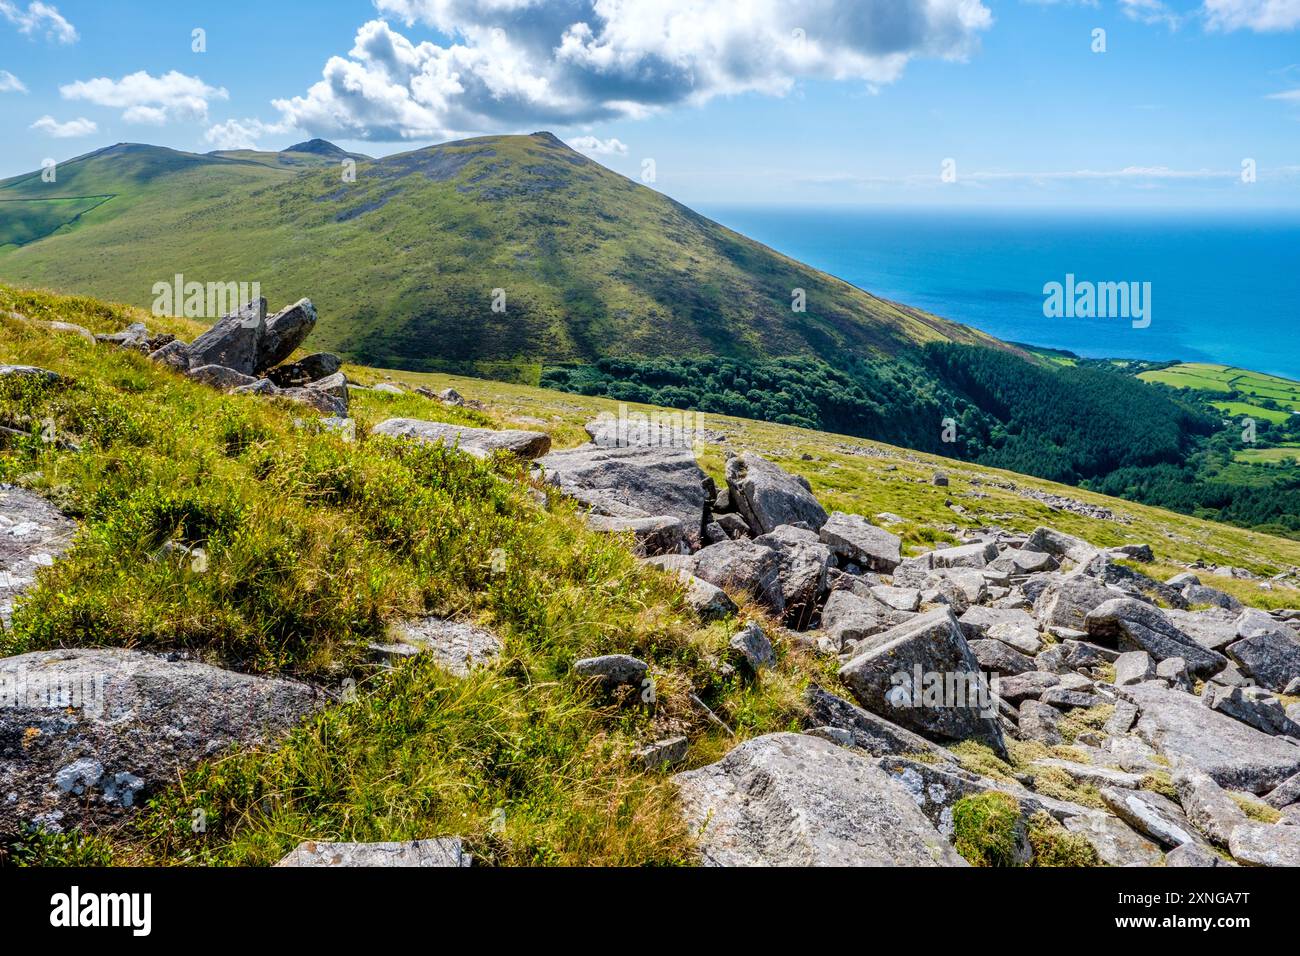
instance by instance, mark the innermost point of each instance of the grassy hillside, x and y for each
(316, 545)
(404, 261)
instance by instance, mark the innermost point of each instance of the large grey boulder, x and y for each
(219, 377)
(1268, 651)
(801, 574)
(445, 851)
(923, 676)
(866, 731)
(743, 566)
(1066, 601)
(1116, 843)
(1060, 545)
(284, 332)
(768, 496)
(650, 536)
(33, 534)
(632, 482)
(1235, 755)
(479, 442)
(233, 341)
(853, 538)
(94, 733)
(1151, 814)
(848, 618)
(797, 800)
(612, 671)
(1251, 705)
(1011, 626)
(1135, 625)
(1266, 844)
(1213, 628)
(976, 555)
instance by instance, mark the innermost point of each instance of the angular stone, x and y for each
(1010, 626)
(33, 535)
(1019, 562)
(284, 332)
(97, 732)
(1114, 840)
(668, 752)
(797, 800)
(1284, 794)
(175, 354)
(1060, 545)
(30, 373)
(233, 341)
(308, 369)
(882, 678)
(1268, 651)
(1253, 706)
(743, 566)
(1029, 685)
(219, 377)
(458, 646)
(768, 496)
(1067, 699)
(1139, 626)
(1151, 814)
(1214, 629)
(1134, 667)
(1207, 805)
(613, 670)
(1235, 755)
(1090, 774)
(734, 525)
(445, 851)
(634, 481)
(1000, 659)
(1040, 722)
(650, 536)
(802, 572)
(752, 647)
(1194, 855)
(709, 601)
(900, 599)
(854, 538)
(479, 442)
(1066, 601)
(848, 618)
(1196, 594)
(1266, 844)
(975, 555)
(865, 730)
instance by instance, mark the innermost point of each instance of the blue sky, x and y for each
(803, 101)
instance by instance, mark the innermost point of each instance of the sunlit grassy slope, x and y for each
(316, 546)
(404, 261)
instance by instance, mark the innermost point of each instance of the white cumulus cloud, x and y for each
(1262, 16)
(10, 83)
(77, 127)
(599, 147)
(242, 133)
(39, 18)
(144, 98)
(520, 63)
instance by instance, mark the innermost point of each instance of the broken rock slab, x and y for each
(853, 538)
(866, 731)
(1135, 625)
(1268, 651)
(798, 800)
(1233, 754)
(233, 340)
(284, 332)
(632, 482)
(650, 536)
(479, 442)
(445, 851)
(98, 731)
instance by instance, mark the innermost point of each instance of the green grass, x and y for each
(316, 546)
(1226, 380)
(1267, 456)
(1245, 409)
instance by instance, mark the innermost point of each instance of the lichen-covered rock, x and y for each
(33, 534)
(1207, 804)
(91, 734)
(752, 647)
(458, 646)
(798, 800)
(650, 536)
(612, 671)
(632, 482)
(1136, 625)
(865, 730)
(445, 851)
(1268, 651)
(1266, 844)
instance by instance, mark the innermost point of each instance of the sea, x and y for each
(1223, 287)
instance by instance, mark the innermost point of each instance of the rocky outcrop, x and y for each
(854, 539)
(282, 333)
(1139, 626)
(92, 734)
(798, 800)
(631, 482)
(234, 340)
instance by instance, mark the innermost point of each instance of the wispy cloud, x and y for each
(1261, 16)
(39, 18)
(599, 147)
(152, 100)
(10, 83)
(72, 128)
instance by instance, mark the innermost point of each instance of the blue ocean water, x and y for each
(1224, 287)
